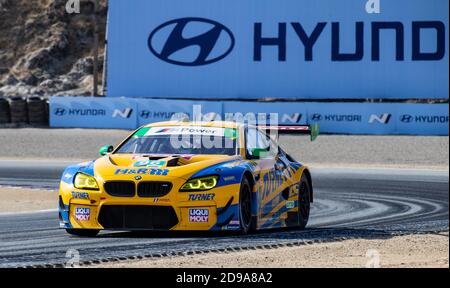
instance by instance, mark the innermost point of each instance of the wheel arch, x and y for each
(255, 205)
(307, 173)
(251, 180)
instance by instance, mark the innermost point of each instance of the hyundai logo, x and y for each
(316, 117)
(406, 118)
(191, 42)
(60, 111)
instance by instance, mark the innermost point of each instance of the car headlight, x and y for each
(84, 181)
(200, 184)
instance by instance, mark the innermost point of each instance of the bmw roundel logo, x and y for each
(138, 178)
(191, 42)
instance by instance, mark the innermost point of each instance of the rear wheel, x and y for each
(245, 206)
(304, 202)
(83, 232)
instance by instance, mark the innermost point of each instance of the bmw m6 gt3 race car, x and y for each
(158, 178)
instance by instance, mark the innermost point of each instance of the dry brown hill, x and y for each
(46, 51)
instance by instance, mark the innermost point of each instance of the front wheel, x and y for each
(245, 206)
(304, 202)
(83, 232)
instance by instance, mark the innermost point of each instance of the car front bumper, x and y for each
(215, 209)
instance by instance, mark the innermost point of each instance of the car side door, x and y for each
(269, 170)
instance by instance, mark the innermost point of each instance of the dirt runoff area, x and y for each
(22, 200)
(414, 251)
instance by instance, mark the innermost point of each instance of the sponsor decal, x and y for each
(80, 195)
(142, 171)
(336, 118)
(150, 163)
(380, 119)
(216, 41)
(424, 119)
(234, 222)
(271, 181)
(290, 204)
(182, 130)
(210, 43)
(79, 112)
(233, 225)
(82, 214)
(148, 114)
(198, 215)
(229, 178)
(202, 197)
(125, 113)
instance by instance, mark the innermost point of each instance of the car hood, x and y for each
(157, 166)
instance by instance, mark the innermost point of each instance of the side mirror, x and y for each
(106, 149)
(314, 131)
(258, 152)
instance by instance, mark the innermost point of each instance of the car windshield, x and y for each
(178, 140)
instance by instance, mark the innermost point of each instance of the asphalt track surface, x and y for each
(349, 203)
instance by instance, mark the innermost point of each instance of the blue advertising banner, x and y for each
(252, 49)
(93, 112)
(383, 119)
(151, 110)
(286, 113)
(335, 118)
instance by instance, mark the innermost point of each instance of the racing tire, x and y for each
(304, 202)
(18, 110)
(37, 111)
(245, 207)
(83, 232)
(5, 116)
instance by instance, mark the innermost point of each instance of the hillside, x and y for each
(46, 51)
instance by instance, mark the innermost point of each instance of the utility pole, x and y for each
(96, 40)
(105, 55)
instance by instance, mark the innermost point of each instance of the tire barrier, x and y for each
(18, 108)
(5, 115)
(37, 111)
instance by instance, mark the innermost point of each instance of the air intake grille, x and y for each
(154, 189)
(138, 217)
(120, 188)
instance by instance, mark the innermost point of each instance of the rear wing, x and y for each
(312, 130)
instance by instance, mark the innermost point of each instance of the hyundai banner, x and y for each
(352, 49)
(335, 118)
(93, 112)
(151, 110)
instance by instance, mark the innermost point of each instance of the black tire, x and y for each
(37, 111)
(304, 200)
(245, 207)
(5, 116)
(83, 232)
(19, 111)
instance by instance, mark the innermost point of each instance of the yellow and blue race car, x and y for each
(188, 176)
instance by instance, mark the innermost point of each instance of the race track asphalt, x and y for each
(349, 203)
